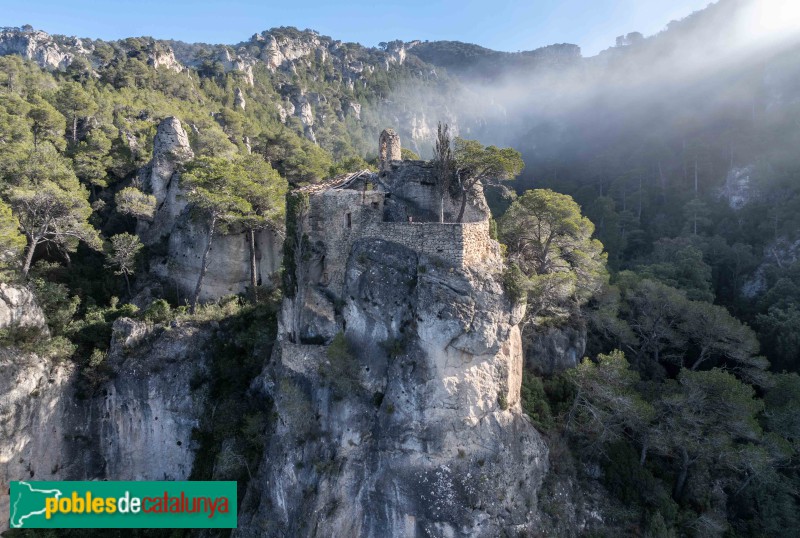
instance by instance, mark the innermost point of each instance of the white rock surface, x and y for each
(18, 308)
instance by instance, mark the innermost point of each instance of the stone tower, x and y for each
(388, 148)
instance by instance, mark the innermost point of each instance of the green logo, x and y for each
(123, 505)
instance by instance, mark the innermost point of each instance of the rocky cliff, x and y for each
(48, 51)
(229, 269)
(329, 72)
(137, 425)
(409, 422)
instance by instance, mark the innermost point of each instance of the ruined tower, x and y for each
(388, 148)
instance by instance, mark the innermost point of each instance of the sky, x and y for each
(499, 25)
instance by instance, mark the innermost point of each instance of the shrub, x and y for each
(394, 347)
(158, 312)
(515, 283)
(94, 373)
(502, 400)
(493, 229)
(535, 402)
(58, 306)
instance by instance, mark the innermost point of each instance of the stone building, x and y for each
(401, 204)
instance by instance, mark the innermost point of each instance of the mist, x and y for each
(709, 75)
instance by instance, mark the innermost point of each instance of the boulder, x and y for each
(18, 308)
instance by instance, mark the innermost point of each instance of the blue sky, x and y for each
(510, 26)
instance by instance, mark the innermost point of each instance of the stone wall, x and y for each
(335, 220)
(478, 245)
(460, 244)
(338, 218)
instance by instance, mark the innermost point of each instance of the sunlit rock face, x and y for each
(18, 309)
(185, 237)
(40, 47)
(428, 438)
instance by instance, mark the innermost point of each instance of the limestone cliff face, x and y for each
(229, 269)
(18, 308)
(41, 47)
(137, 427)
(283, 49)
(419, 432)
(166, 59)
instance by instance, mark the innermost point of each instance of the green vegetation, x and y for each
(232, 438)
(124, 250)
(216, 188)
(688, 423)
(554, 262)
(473, 163)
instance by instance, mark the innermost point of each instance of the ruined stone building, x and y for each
(401, 204)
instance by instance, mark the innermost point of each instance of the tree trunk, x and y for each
(683, 158)
(74, 128)
(695, 175)
(700, 360)
(251, 233)
(663, 183)
(203, 265)
(128, 285)
(463, 205)
(680, 482)
(643, 455)
(441, 209)
(28, 257)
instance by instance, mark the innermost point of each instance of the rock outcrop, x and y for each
(283, 49)
(18, 309)
(137, 427)
(171, 151)
(40, 47)
(397, 375)
(738, 189)
(238, 99)
(165, 58)
(185, 239)
(417, 430)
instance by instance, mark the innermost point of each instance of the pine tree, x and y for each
(123, 254)
(215, 187)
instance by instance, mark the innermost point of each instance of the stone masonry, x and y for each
(401, 206)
